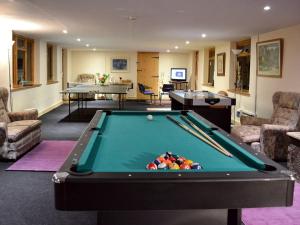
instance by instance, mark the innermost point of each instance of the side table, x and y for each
(294, 153)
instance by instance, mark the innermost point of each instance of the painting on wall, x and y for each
(119, 64)
(269, 58)
(221, 64)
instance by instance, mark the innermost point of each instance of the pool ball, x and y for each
(175, 156)
(169, 154)
(188, 162)
(185, 167)
(174, 166)
(179, 161)
(152, 166)
(196, 166)
(157, 162)
(172, 159)
(149, 117)
(161, 159)
(168, 162)
(162, 166)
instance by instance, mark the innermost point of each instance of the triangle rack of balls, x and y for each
(170, 161)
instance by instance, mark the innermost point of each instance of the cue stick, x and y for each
(197, 135)
(204, 134)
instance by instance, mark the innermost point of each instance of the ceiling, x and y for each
(159, 24)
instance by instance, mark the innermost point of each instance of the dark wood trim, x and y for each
(239, 92)
(208, 85)
(50, 75)
(15, 55)
(49, 82)
(21, 88)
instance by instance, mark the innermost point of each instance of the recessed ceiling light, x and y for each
(132, 18)
(94, 49)
(78, 39)
(187, 42)
(168, 50)
(267, 8)
(87, 45)
(65, 31)
(203, 35)
(176, 47)
(179, 11)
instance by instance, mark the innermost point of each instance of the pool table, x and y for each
(213, 107)
(106, 172)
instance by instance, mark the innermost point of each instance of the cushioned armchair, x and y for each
(269, 135)
(19, 131)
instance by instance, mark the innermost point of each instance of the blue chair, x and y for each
(145, 91)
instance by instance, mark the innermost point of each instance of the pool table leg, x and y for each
(162, 217)
(234, 217)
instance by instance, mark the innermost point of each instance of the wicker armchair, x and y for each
(269, 135)
(19, 131)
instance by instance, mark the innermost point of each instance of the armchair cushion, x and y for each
(3, 132)
(274, 141)
(19, 129)
(31, 114)
(288, 100)
(3, 113)
(286, 116)
(256, 121)
(248, 133)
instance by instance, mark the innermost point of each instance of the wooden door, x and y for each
(147, 71)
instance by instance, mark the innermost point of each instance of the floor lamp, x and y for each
(9, 75)
(235, 52)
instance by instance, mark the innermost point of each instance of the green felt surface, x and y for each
(129, 141)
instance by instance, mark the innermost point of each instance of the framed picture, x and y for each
(269, 58)
(221, 64)
(119, 64)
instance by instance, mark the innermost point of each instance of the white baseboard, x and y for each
(50, 108)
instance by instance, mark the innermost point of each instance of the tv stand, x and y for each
(178, 84)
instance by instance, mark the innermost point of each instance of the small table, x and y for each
(83, 90)
(178, 85)
(107, 172)
(294, 153)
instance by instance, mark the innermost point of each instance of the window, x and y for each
(49, 62)
(243, 65)
(23, 61)
(211, 66)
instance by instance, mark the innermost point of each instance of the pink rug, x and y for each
(275, 216)
(47, 156)
(50, 155)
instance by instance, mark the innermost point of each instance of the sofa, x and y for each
(19, 131)
(268, 136)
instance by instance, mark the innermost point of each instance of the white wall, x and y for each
(290, 80)
(266, 87)
(100, 62)
(5, 49)
(174, 60)
(221, 83)
(44, 97)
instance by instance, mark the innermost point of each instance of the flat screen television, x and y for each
(178, 74)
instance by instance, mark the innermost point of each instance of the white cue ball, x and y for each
(149, 117)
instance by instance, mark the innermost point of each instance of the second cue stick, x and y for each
(197, 135)
(204, 134)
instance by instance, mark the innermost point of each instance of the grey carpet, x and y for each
(26, 198)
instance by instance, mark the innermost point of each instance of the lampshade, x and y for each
(236, 51)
